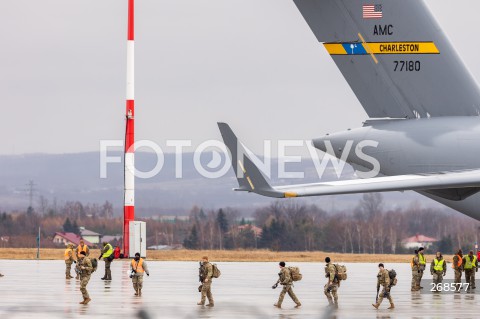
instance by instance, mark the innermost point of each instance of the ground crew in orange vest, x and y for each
(80, 248)
(457, 269)
(68, 255)
(138, 267)
(470, 266)
(414, 264)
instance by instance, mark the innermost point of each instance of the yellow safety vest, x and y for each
(109, 251)
(138, 267)
(68, 253)
(438, 264)
(421, 259)
(469, 263)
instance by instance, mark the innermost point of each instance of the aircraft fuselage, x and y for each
(415, 146)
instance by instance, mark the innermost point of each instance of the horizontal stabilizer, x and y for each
(250, 179)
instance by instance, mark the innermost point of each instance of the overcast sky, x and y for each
(252, 63)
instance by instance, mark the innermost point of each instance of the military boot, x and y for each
(336, 304)
(298, 305)
(82, 302)
(136, 292)
(139, 292)
(200, 303)
(392, 306)
(375, 305)
(277, 305)
(86, 301)
(210, 305)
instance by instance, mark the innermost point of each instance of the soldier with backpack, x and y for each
(206, 275)
(286, 280)
(383, 279)
(86, 269)
(330, 289)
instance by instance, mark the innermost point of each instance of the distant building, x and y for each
(171, 218)
(62, 239)
(91, 236)
(418, 241)
(165, 247)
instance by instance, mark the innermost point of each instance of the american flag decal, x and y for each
(372, 11)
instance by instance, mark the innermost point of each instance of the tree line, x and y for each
(284, 225)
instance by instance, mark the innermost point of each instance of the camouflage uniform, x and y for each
(416, 274)
(78, 250)
(470, 266)
(68, 262)
(457, 271)
(108, 272)
(286, 281)
(86, 271)
(438, 269)
(207, 274)
(137, 277)
(383, 279)
(332, 285)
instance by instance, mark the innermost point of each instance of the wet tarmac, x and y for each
(37, 289)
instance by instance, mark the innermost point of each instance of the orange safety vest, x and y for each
(80, 249)
(459, 262)
(67, 253)
(138, 267)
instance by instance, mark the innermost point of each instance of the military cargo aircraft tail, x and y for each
(394, 56)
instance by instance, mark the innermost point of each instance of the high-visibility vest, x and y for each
(109, 251)
(411, 262)
(80, 249)
(68, 253)
(421, 259)
(459, 263)
(138, 267)
(469, 264)
(438, 264)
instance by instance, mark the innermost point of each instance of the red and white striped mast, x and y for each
(129, 160)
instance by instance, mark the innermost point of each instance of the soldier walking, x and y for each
(383, 279)
(470, 266)
(68, 261)
(457, 269)
(332, 285)
(107, 256)
(438, 268)
(206, 274)
(138, 267)
(86, 269)
(286, 281)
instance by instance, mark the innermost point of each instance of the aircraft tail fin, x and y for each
(394, 56)
(249, 177)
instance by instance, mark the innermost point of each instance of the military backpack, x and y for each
(94, 264)
(295, 273)
(341, 272)
(216, 271)
(393, 277)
